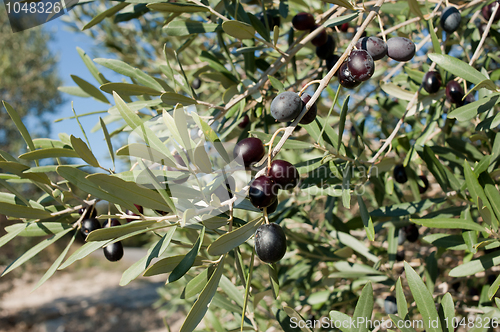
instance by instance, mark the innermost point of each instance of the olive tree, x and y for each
(384, 148)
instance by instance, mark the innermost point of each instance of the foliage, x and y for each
(341, 260)
(29, 79)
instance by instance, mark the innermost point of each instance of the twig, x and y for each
(485, 34)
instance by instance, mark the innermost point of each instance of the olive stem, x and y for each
(266, 218)
(381, 28)
(307, 85)
(269, 158)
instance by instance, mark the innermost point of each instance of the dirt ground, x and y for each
(84, 300)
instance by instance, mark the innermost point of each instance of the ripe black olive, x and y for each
(270, 243)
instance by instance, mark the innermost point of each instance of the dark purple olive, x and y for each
(400, 49)
(344, 27)
(487, 11)
(271, 208)
(376, 47)
(196, 83)
(303, 21)
(326, 50)
(361, 65)
(286, 106)
(113, 252)
(244, 122)
(262, 192)
(310, 116)
(426, 184)
(400, 256)
(114, 222)
(345, 77)
(450, 19)
(411, 232)
(432, 82)
(270, 243)
(331, 61)
(399, 174)
(130, 213)
(390, 305)
(454, 93)
(284, 174)
(89, 225)
(271, 20)
(321, 38)
(249, 151)
(90, 212)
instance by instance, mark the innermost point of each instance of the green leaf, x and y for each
(435, 41)
(38, 228)
(108, 139)
(343, 115)
(82, 252)
(74, 91)
(83, 151)
(136, 106)
(49, 153)
(157, 250)
(469, 111)
(367, 220)
(21, 211)
(117, 231)
(90, 89)
(401, 299)
(177, 7)
(178, 28)
(201, 305)
(196, 285)
(20, 125)
(401, 323)
(477, 265)
(457, 67)
(132, 72)
(364, 307)
(171, 98)
(187, 262)
(448, 310)
(9, 236)
(128, 89)
(342, 319)
(78, 179)
(435, 167)
(168, 264)
(449, 223)
(494, 288)
(34, 250)
(231, 291)
(276, 84)
(211, 136)
(238, 29)
(479, 197)
(355, 244)
(396, 91)
(231, 240)
(53, 268)
(143, 151)
(107, 13)
(130, 191)
(423, 299)
(285, 322)
(405, 209)
(336, 21)
(86, 59)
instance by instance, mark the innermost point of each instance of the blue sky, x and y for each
(64, 48)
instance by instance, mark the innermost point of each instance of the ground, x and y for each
(87, 299)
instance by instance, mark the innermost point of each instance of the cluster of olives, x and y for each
(454, 93)
(399, 175)
(114, 251)
(270, 239)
